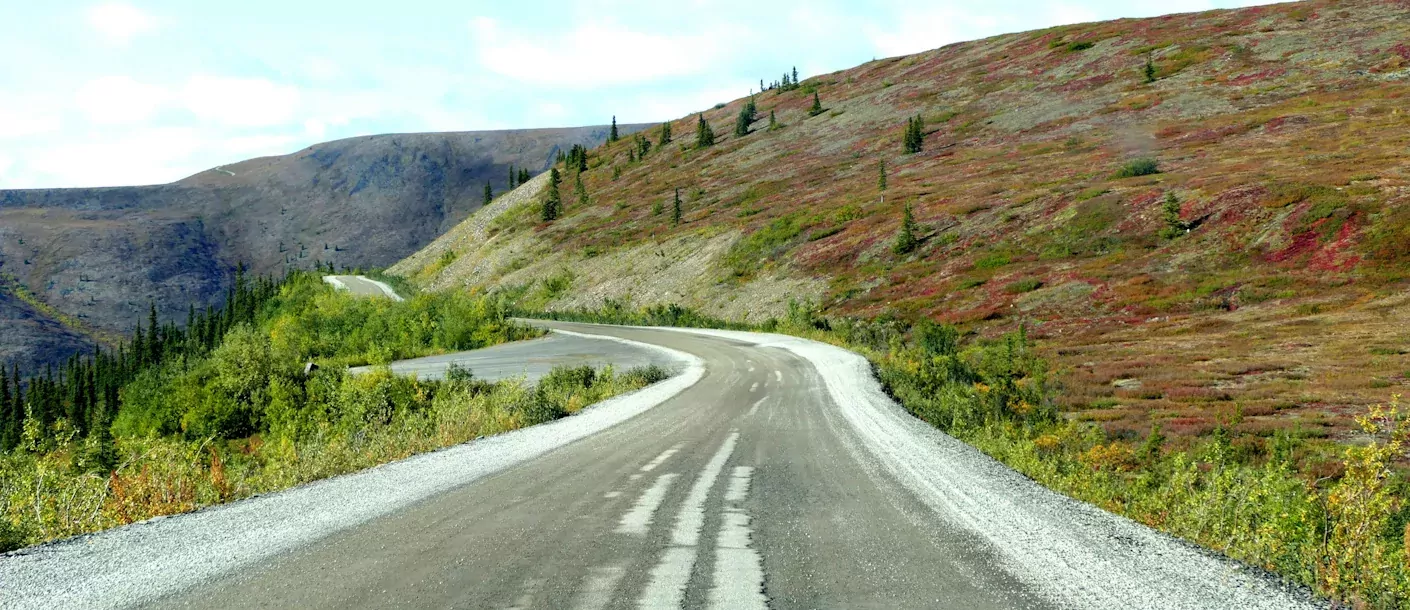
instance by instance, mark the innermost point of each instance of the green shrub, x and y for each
(1144, 166)
(1022, 286)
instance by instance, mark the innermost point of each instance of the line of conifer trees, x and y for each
(85, 392)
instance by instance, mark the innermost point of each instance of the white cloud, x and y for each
(930, 28)
(114, 100)
(596, 53)
(150, 156)
(118, 22)
(258, 146)
(253, 102)
(27, 117)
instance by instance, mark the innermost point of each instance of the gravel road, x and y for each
(773, 472)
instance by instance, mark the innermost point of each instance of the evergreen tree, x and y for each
(665, 134)
(1150, 69)
(704, 136)
(612, 137)
(657, 208)
(631, 155)
(552, 203)
(524, 176)
(676, 209)
(7, 415)
(512, 176)
(906, 240)
(773, 122)
(745, 119)
(1170, 213)
(817, 108)
(580, 190)
(881, 176)
(616, 172)
(914, 139)
(795, 75)
(489, 193)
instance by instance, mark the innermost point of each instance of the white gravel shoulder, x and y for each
(387, 290)
(1076, 554)
(129, 565)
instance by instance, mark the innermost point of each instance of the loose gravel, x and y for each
(141, 562)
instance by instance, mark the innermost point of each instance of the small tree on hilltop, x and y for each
(612, 137)
(773, 122)
(552, 202)
(524, 176)
(817, 108)
(512, 175)
(665, 134)
(676, 208)
(704, 136)
(906, 240)
(489, 196)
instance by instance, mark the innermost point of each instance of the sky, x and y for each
(151, 91)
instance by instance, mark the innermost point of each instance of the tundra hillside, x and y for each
(1200, 220)
(1193, 214)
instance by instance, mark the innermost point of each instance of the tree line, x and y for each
(83, 396)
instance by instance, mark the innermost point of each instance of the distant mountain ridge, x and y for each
(101, 255)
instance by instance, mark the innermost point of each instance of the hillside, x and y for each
(1271, 298)
(98, 256)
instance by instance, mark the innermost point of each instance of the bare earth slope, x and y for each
(102, 254)
(1279, 133)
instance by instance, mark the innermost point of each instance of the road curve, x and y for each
(362, 286)
(532, 359)
(774, 474)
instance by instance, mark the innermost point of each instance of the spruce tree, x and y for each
(881, 176)
(665, 134)
(704, 136)
(7, 415)
(817, 108)
(524, 176)
(552, 202)
(741, 123)
(512, 176)
(489, 193)
(580, 190)
(914, 139)
(676, 208)
(795, 75)
(773, 122)
(612, 137)
(906, 239)
(1150, 69)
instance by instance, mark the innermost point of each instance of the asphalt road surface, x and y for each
(361, 286)
(531, 359)
(771, 473)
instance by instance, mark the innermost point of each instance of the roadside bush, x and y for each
(1144, 166)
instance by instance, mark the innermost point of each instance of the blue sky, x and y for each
(149, 91)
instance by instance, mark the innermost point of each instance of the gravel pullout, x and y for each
(141, 562)
(1077, 555)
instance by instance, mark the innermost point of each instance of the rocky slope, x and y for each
(99, 256)
(1278, 134)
